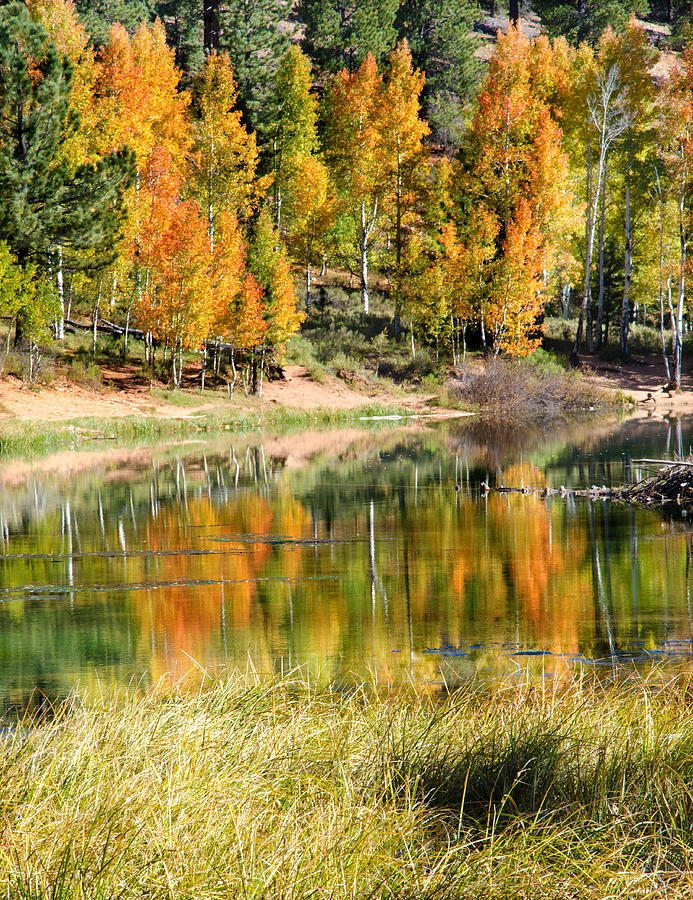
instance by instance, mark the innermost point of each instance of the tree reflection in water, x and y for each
(360, 562)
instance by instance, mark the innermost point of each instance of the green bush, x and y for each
(86, 374)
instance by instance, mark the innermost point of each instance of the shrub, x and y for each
(525, 392)
(86, 374)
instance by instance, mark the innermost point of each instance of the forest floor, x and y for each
(640, 376)
(126, 393)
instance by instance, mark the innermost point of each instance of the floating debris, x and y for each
(673, 483)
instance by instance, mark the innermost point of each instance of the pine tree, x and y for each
(250, 32)
(184, 23)
(341, 33)
(586, 20)
(442, 43)
(99, 16)
(45, 200)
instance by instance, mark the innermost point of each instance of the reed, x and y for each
(29, 439)
(241, 787)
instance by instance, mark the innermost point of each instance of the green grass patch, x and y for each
(34, 439)
(274, 789)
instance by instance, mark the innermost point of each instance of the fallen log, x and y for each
(673, 484)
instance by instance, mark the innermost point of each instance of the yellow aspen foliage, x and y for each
(224, 154)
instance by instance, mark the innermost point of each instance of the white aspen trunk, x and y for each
(232, 385)
(600, 307)
(365, 298)
(628, 263)
(95, 321)
(677, 321)
(665, 355)
(262, 372)
(61, 295)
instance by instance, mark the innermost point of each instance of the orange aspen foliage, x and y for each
(515, 169)
(465, 261)
(175, 305)
(237, 297)
(137, 91)
(515, 295)
(139, 105)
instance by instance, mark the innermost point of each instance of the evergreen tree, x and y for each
(250, 33)
(340, 33)
(442, 43)
(184, 23)
(45, 200)
(100, 15)
(586, 20)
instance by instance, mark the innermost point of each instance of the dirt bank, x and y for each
(123, 396)
(639, 377)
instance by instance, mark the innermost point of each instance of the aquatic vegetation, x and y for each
(28, 439)
(239, 786)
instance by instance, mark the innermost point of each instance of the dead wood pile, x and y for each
(671, 483)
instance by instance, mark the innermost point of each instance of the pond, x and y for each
(354, 555)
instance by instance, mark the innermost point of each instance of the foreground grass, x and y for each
(33, 439)
(277, 790)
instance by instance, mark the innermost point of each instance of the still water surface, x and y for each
(376, 558)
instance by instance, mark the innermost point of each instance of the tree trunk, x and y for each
(61, 296)
(677, 320)
(363, 247)
(600, 308)
(591, 227)
(95, 321)
(308, 281)
(365, 296)
(628, 261)
(514, 12)
(398, 254)
(211, 25)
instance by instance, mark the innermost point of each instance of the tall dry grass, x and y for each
(244, 788)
